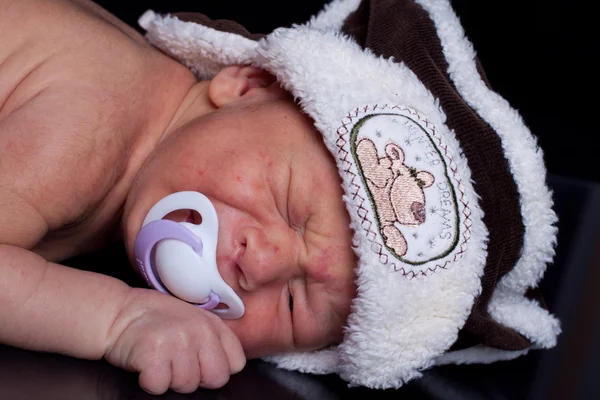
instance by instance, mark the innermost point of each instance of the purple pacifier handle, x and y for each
(153, 233)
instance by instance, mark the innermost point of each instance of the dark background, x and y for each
(537, 55)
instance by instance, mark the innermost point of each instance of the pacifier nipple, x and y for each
(180, 258)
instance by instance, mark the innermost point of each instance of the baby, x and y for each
(349, 224)
(96, 126)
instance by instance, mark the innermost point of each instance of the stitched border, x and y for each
(366, 223)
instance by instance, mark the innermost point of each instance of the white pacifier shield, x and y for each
(184, 272)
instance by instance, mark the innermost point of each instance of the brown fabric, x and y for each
(222, 25)
(402, 29)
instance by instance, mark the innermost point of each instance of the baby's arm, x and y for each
(71, 88)
(45, 306)
(49, 307)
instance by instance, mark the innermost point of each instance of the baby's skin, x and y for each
(96, 126)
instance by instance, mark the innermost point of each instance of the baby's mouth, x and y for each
(178, 245)
(193, 217)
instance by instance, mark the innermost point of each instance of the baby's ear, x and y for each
(237, 82)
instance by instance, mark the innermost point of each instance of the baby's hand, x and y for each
(173, 344)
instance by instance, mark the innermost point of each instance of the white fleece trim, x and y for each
(398, 325)
(318, 362)
(478, 355)
(526, 316)
(196, 46)
(525, 160)
(333, 15)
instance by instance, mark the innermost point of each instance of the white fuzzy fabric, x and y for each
(508, 304)
(402, 321)
(197, 47)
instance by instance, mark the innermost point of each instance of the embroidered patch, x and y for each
(409, 196)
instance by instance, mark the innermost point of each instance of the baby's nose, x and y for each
(267, 258)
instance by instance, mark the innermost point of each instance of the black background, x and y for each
(537, 55)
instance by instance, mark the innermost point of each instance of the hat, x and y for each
(444, 184)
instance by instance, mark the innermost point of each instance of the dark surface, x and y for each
(566, 372)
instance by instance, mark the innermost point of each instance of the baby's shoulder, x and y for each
(76, 89)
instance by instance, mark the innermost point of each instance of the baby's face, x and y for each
(284, 242)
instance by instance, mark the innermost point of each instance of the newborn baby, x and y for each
(380, 209)
(95, 127)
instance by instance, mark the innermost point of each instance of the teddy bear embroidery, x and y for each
(396, 190)
(406, 190)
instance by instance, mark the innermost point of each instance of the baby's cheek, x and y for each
(333, 262)
(322, 264)
(256, 187)
(260, 331)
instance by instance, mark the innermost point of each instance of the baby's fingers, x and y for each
(233, 349)
(156, 378)
(214, 365)
(185, 373)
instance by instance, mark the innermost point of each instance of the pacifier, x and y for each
(180, 258)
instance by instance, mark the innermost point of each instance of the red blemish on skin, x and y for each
(201, 172)
(270, 164)
(322, 274)
(321, 262)
(276, 249)
(238, 178)
(9, 146)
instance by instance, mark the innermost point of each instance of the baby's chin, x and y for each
(254, 353)
(258, 352)
(267, 347)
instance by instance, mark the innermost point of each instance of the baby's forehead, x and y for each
(260, 130)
